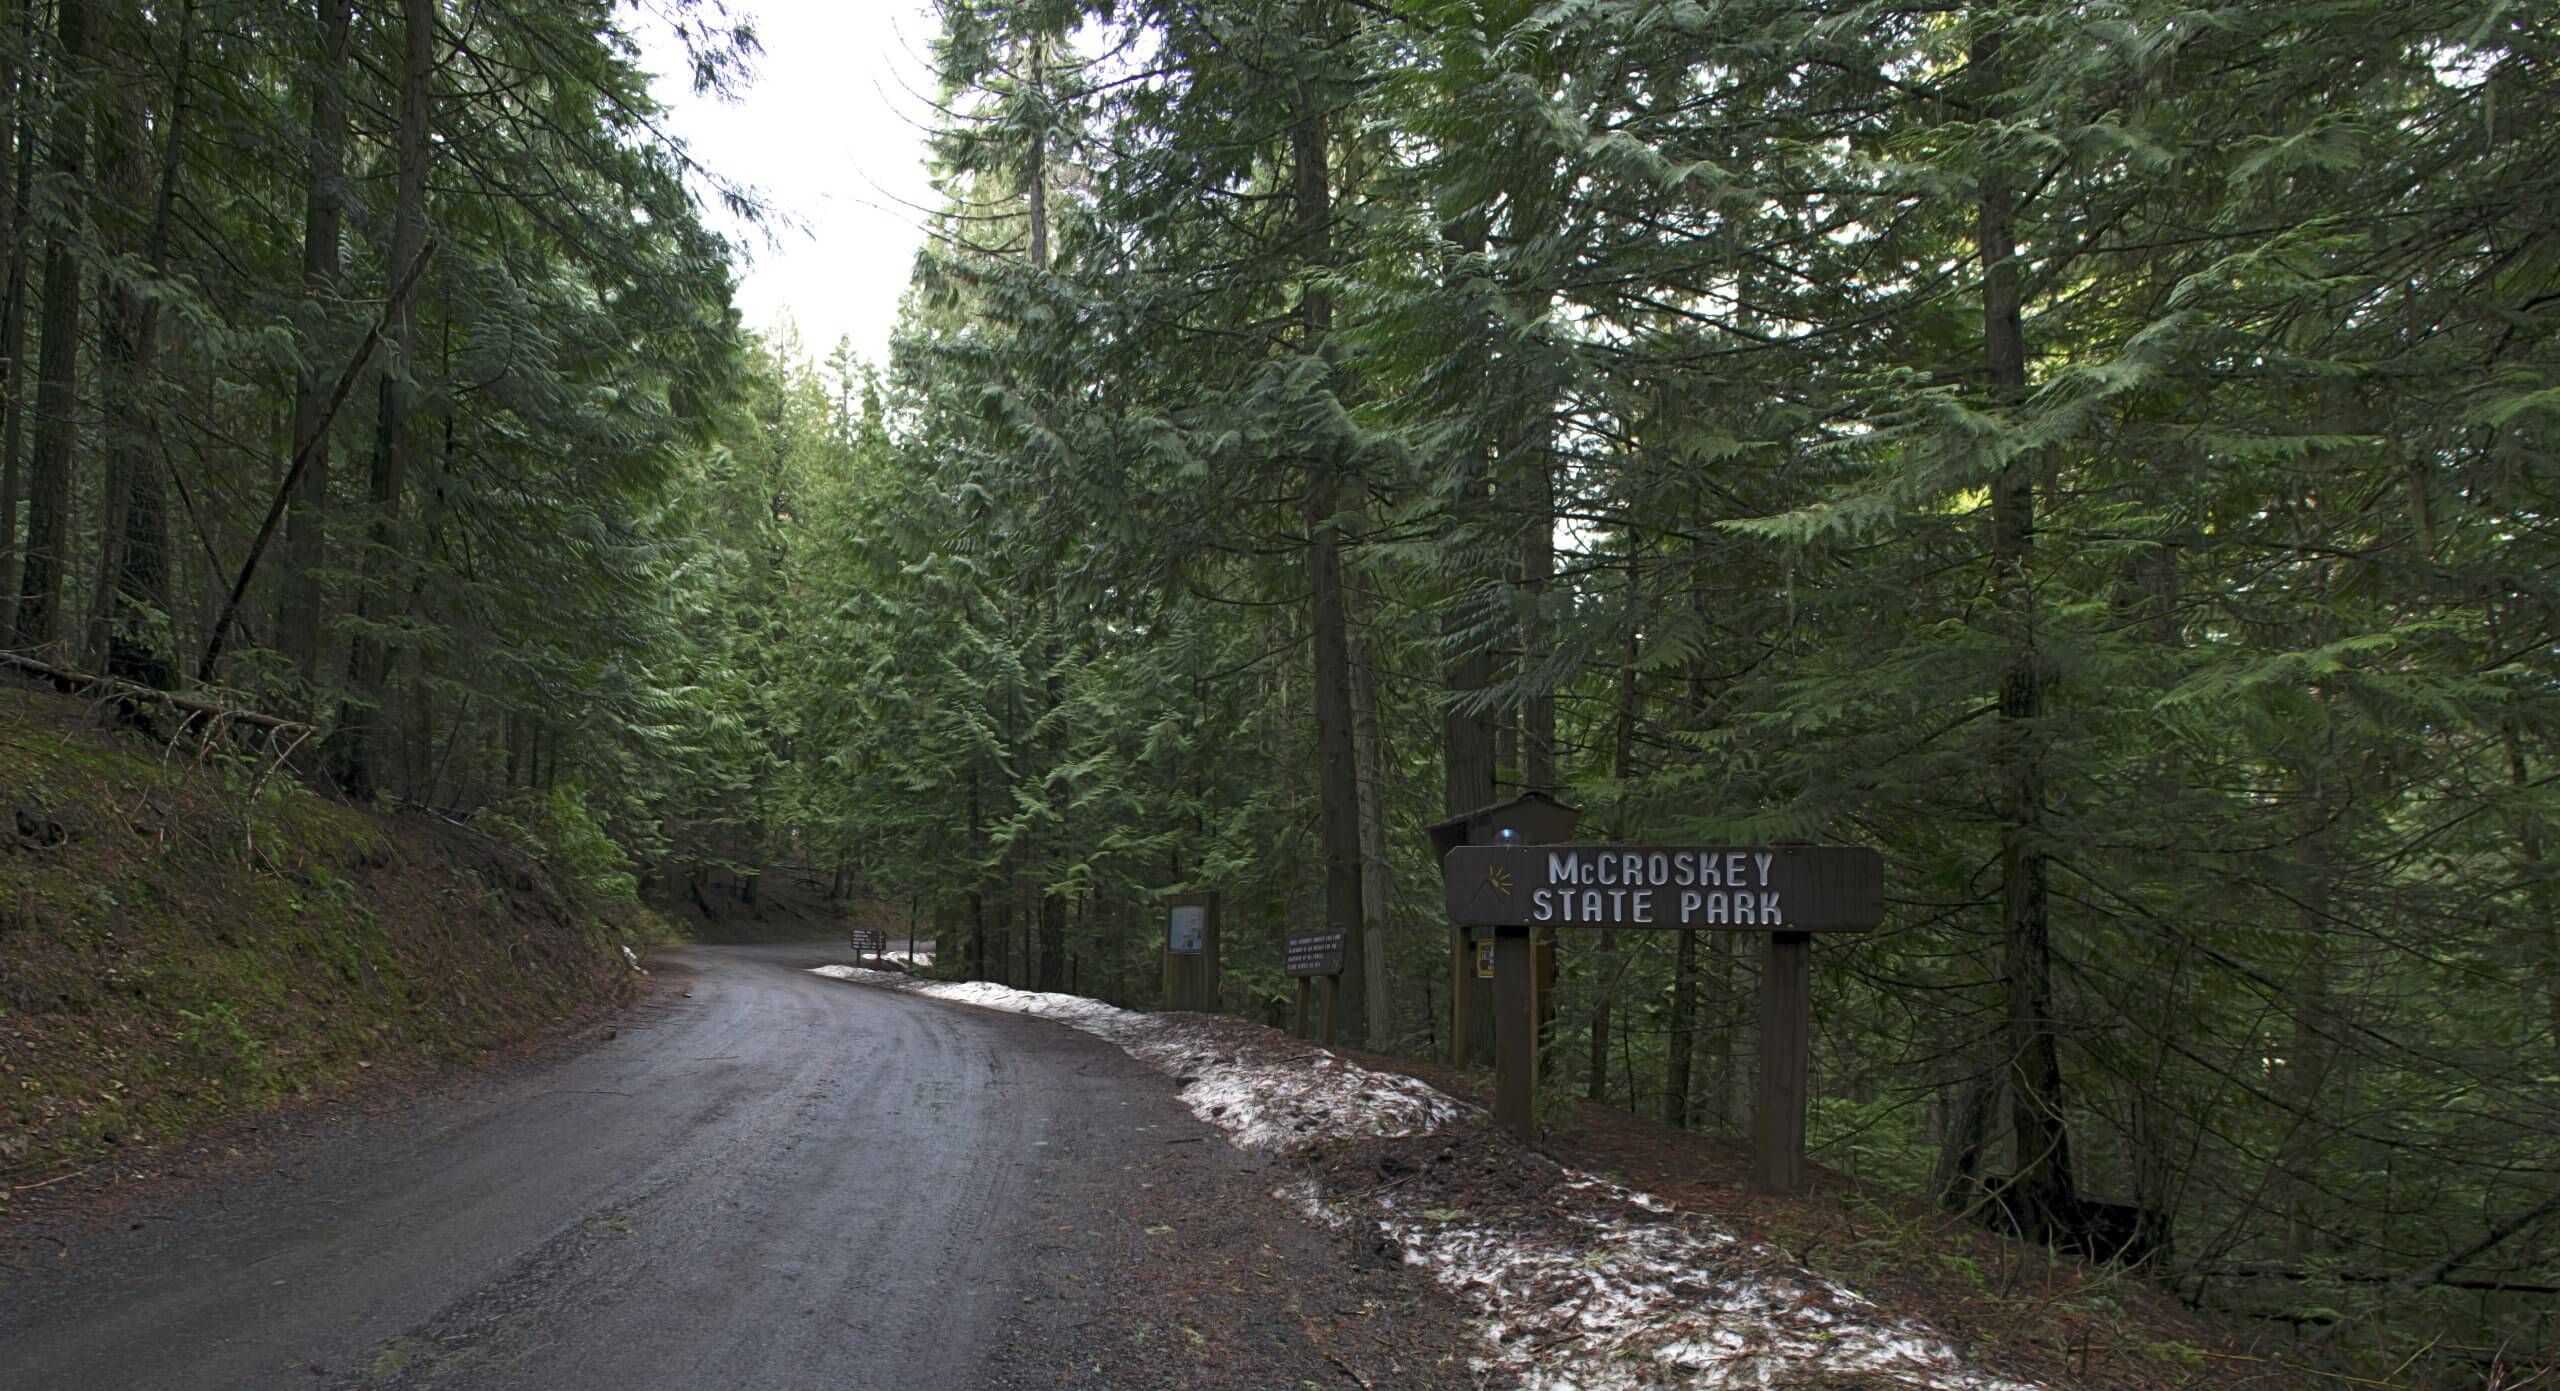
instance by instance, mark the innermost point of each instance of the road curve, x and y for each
(775, 1181)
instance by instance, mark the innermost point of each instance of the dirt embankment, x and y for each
(187, 936)
(782, 904)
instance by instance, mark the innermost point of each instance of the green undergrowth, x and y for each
(188, 935)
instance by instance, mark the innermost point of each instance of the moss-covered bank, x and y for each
(186, 938)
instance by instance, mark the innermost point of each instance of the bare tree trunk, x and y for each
(1053, 941)
(1000, 936)
(299, 626)
(1467, 783)
(1337, 777)
(41, 569)
(1680, 1053)
(1623, 768)
(2045, 1189)
(18, 86)
(1368, 751)
(1468, 625)
(1535, 462)
(1956, 1179)
(2304, 1069)
(977, 876)
(369, 660)
(2541, 947)
(133, 573)
(1731, 1041)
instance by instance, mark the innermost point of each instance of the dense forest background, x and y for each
(2100, 454)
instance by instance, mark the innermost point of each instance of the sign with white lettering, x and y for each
(1186, 929)
(1314, 954)
(1781, 888)
(1484, 959)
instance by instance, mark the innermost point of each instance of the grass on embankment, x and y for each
(184, 939)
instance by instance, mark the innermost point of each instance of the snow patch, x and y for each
(1629, 1294)
(1279, 1104)
(1603, 1288)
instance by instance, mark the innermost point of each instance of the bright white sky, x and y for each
(831, 132)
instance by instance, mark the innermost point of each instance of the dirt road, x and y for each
(766, 1179)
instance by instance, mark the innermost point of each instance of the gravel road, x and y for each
(765, 1179)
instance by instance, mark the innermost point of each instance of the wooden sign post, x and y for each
(1788, 891)
(1530, 819)
(1314, 959)
(1499, 1016)
(1786, 1057)
(1191, 951)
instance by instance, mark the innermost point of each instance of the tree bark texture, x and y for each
(18, 86)
(1337, 775)
(1369, 752)
(2043, 1174)
(133, 574)
(369, 660)
(41, 569)
(299, 624)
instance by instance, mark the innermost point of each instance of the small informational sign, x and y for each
(1777, 888)
(870, 941)
(1186, 929)
(1484, 959)
(1313, 954)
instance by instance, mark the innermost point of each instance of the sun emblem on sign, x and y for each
(1500, 878)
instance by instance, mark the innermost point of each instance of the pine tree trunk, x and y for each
(2540, 949)
(2304, 1068)
(1337, 776)
(1680, 1055)
(977, 876)
(1053, 941)
(1727, 1081)
(1534, 461)
(17, 86)
(300, 623)
(1369, 752)
(369, 660)
(2043, 1176)
(1467, 735)
(1000, 937)
(1053, 906)
(1955, 1182)
(41, 569)
(1623, 768)
(133, 575)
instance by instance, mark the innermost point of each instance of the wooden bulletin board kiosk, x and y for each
(1191, 951)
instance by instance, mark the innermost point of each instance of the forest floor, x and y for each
(190, 938)
(1631, 1255)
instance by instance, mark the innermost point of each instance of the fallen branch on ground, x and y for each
(66, 676)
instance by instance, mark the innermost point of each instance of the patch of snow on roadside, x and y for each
(1628, 1294)
(1635, 1297)
(1278, 1104)
(1297, 1101)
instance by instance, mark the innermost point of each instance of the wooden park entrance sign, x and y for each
(1516, 886)
(1775, 888)
(1314, 960)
